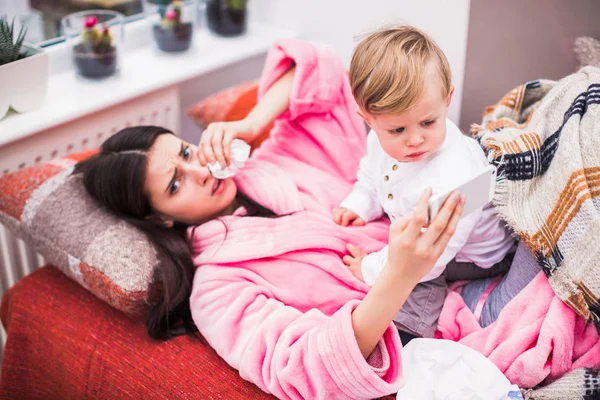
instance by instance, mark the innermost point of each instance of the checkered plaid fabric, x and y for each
(544, 136)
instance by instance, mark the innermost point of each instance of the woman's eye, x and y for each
(429, 123)
(174, 187)
(187, 153)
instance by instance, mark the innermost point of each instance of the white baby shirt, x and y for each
(386, 185)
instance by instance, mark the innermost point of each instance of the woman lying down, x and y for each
(259, 270)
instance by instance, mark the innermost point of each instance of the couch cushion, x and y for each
(49, 208)
(63, 343)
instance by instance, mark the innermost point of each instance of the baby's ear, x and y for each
(366, 117)
(449, 98)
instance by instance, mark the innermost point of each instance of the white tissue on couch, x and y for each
(436, 369)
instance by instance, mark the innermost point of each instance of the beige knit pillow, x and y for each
(49, 208)
(587, 51)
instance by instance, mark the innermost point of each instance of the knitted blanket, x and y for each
(544, 136)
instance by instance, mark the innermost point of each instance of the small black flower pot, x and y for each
(225, 21)
(175, 39)
(92, 64)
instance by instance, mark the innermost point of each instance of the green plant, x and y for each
(172, 16)
(162, 6)
(94, 39)
(236, 5)
(10, 49)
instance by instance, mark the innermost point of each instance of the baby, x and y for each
(402, 84)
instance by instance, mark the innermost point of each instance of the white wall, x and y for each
(339, 22)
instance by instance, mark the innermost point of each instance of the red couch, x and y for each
(64, 343)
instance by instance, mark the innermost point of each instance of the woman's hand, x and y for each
(215, 142)
(412, 253)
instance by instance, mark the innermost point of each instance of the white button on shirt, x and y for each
(386, 185)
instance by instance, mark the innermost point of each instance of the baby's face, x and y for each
(413, 135)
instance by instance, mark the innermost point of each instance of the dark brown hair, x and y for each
(115, 177)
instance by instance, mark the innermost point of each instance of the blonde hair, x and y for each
(388, 67)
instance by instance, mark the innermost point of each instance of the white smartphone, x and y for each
(478, 190)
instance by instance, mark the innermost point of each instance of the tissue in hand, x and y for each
(240, 151)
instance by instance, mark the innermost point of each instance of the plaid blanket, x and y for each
(544, 136)
(582, 383)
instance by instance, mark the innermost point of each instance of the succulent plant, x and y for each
(236, 4)
(168, 22)
(90, 34)
(172, 16)
(10, 48)
(105, 41)
(94, 39)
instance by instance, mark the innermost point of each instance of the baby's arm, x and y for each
(372, 265)
(363, 199)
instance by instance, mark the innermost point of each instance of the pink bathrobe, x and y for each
(272, 296)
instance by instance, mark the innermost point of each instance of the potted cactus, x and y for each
(172, 23)
(96, 38)
(95, 55)
(23, 71)
(172, 33)
(227, 17)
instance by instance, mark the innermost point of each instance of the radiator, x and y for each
(160, 108)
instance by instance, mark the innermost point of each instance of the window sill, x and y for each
(143, 70)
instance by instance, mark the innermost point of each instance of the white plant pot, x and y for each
(24, 82)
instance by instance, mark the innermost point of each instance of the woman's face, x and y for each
(179, 188)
